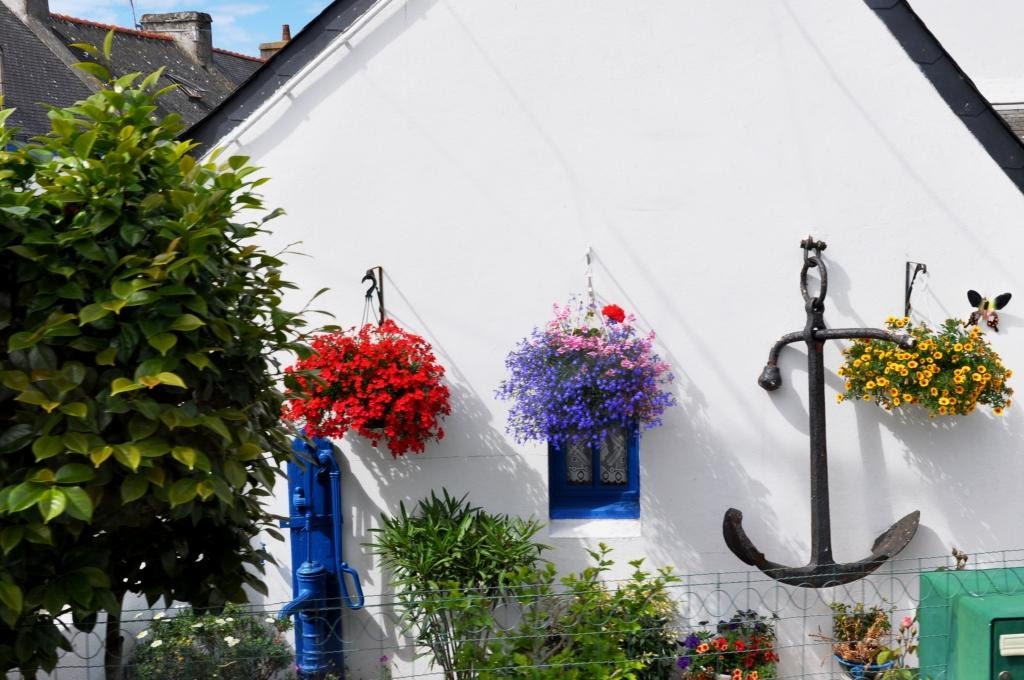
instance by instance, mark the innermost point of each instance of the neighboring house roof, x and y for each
(49, 79)
(953, 85)
(303, 48)
(31, 74)
(906, 26)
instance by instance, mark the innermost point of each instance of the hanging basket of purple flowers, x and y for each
(584, 375)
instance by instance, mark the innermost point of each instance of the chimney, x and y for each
(269, 49)
(190, 31)
(26, 9)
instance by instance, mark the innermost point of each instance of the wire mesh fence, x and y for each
(378, 641)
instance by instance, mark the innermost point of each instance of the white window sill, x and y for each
(594, 528)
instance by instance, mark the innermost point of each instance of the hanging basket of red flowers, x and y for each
(382, 382)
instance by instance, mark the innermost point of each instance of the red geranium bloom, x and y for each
(614, 312)
(381, 381)
(739, 645)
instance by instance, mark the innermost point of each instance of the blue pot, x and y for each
(859, 671)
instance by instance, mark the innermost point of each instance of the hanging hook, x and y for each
(375, 275)
(908, 283)
(590, 279)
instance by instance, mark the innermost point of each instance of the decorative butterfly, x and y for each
(986, 309)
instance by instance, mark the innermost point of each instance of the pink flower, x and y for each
(907, 622)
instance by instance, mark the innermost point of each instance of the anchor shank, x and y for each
(821, 527)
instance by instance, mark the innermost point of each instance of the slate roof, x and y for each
(31, 74)
(40, 76)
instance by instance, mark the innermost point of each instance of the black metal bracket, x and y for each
(822, 570)
(910, 276)
(375, 275)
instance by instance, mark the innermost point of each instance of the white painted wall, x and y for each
(984, 38)
(474, 149)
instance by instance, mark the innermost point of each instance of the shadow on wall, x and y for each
(471, 438)
(690, 476)
(954, 458)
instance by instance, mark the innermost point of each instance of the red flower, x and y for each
(614, 312)
(739, 645)
(383, 382)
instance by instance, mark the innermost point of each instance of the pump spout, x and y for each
(299, 604)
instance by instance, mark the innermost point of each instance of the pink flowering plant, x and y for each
(583, 375)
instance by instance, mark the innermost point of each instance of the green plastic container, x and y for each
(961, 617)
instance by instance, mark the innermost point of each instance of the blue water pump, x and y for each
(319, 575)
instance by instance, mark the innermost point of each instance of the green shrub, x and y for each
(232, 645)
(588, 630)
(139, 430)
(453, 565)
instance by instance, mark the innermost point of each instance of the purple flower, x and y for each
(583, 376)
(684, 662)
(691, 641)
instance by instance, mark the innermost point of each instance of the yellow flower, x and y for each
(976, 377)
(959, 379)
(957, 347)
(969, 347)
(911, 364)
(865, 357)
(998, 411)
(839, 398)
(866, 397)
(870, 385)
(943, 410)
(894, 392)
(896, 401)
(958, 389)
(943, 401)
(882, 382)
(981, 369)
(856, 363)
(909, 398)
(937, 355)
(935, 391)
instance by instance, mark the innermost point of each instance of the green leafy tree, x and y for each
(139, 431)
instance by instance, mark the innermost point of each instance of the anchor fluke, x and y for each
(822, 572)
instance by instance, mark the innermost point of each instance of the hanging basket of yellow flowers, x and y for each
(948, 371)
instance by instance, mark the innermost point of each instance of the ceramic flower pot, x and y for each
(859, 671)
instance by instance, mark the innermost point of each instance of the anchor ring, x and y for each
(819, 299)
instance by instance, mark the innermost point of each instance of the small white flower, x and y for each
(228, 620)
(232, 641)
(158, 616)
(270, 619)
(197, 625)
(142, 634)
(219, 621)
(156, 643)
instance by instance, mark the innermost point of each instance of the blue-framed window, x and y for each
(590, 481)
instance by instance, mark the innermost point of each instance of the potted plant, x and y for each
(948, 371)
(860, 642)
(382, 382)
(583, 375)
(741, 648)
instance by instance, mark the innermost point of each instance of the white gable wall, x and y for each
(475, 149)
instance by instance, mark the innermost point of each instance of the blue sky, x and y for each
(237, 25)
